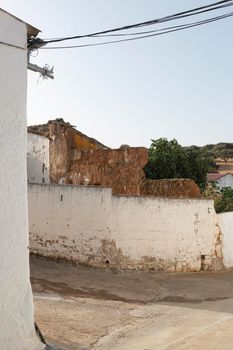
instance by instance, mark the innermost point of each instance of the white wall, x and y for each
(226, 181)
(226, 225)
(37, 159)
(16, 306)
(89, 225)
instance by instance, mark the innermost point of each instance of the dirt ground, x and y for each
(79, 308)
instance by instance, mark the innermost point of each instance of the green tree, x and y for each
(224, 202)
(168, 159)
(197, 166)
(225, 154)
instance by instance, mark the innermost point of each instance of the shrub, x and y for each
(224, 203)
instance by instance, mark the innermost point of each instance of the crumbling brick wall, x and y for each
(176, 188)
(80, 160)
(64, 141)
(121, 169)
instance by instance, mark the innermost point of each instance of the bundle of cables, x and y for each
(126, 31)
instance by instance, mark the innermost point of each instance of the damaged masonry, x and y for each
(102, 218)
(94, 255)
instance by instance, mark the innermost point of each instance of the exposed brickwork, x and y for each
(120, 169)
(80, 160)
(64, 141)
(177, 188)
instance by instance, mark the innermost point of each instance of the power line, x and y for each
(208, 20)
(195, 11)
(161, 32)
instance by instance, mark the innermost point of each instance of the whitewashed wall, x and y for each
(38, 159)
(89, 225)
(16, 306)
(226, 181)
(226, 225)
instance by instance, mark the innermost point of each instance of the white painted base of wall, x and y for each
(90, 226)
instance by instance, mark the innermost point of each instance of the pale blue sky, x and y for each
(175, 86)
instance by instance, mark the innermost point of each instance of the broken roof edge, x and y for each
(33, 129)
(31, 31)
(92, 139)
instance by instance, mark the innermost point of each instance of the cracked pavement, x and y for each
(81, 308)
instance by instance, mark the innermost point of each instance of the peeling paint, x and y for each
(91, 226)
(217, 258)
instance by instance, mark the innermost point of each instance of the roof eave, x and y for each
(31, 31)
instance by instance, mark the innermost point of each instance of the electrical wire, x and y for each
(161, 32)
(195, 11)
(212, 19)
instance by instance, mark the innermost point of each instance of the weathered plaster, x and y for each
(226, 224)
(16, 306)
(120, 169)
(88, 225)
(65, 141)
(37, 159)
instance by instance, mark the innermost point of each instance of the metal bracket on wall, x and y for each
(46, 71)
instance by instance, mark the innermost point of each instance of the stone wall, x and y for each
(177, 188)
(64, 141)
(89, 225)
(80, 160)
(120, 169)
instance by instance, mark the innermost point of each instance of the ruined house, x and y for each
(75, 158)
(116, 217)
(64, 142)
(59, 153)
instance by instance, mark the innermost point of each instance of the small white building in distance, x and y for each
(17, 331)
(223, 180)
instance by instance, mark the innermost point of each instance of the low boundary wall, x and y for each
(89, 225)
(226, 225)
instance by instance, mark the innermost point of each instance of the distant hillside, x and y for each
(220, 157)
(223, 166)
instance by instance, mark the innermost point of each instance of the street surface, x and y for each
(82, 308)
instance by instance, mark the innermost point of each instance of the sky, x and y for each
(175, 86)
